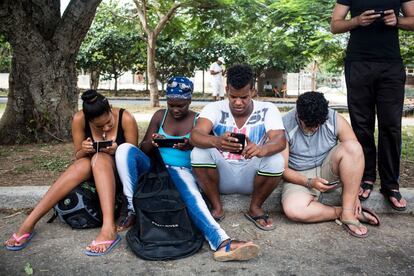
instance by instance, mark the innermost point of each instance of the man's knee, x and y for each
(351, 148)
(272, 165)
(295, 210)
(202, 158)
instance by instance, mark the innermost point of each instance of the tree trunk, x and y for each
(94, 79)
(203, 91)
(116, 86)
(152, 72)
(43, 96)
(42, 99)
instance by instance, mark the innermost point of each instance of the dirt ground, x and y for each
(41, 164)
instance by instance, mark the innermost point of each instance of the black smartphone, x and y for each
(241, 140)
(98, 145)
(333, 183)
(168, 142)
(382, 13)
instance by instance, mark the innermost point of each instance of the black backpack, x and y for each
(81, 209)
(163, 230)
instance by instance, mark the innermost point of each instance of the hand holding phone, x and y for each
(99, 145)
(379, 12)
(241, 139)
(168, 142)
(333, 183)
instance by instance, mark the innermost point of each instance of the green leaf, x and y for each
(28, 269)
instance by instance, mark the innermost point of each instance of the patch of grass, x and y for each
(408, 143)
(23, 169)
(52, 163)
(4, 92)
(5, 151)
(407, 146)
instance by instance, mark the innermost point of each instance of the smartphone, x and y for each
(382, 13)
(241, 140)
(333, 183)
(168, 142)
(98, 145)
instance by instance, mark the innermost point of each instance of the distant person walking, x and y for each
(375, 78)
(283, 90)
(216, 71)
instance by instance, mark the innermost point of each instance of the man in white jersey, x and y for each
(216, 71)
(222, 164)
(323, 153)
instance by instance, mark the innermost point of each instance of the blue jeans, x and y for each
(187, 187)
(131, 162)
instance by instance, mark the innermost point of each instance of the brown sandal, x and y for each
(244, 252)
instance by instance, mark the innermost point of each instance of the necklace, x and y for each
(104, 135)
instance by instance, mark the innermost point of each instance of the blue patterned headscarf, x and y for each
(179, 88)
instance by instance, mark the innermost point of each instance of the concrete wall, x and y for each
(128, 81)
(4, 80)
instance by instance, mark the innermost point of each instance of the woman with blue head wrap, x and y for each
(176, 122)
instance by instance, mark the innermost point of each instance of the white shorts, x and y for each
(237, 177)
(218, 89)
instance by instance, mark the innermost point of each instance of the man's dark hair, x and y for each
(239, 75)
(312, 109)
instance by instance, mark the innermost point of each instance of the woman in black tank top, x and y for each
(97, 122)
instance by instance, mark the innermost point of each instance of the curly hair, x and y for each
(312, 108)
(239, 75)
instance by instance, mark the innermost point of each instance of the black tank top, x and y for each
(120, 137)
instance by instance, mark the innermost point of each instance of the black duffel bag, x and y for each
(163, 230)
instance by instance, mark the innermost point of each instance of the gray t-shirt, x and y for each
(309, 151)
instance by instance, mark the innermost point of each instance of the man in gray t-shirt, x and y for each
(322, 153)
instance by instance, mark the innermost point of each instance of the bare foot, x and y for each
(365, 192)
(402, 203)
(266, 222)
(217, 213)
(348, 215)
(366, 217)
(105, 235)
(22, 230)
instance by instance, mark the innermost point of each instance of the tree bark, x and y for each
(152, 71)
(43, 95)
(152, 35)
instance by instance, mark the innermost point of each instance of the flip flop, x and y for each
(255, 219)
(127, 222)
(365, 187)
(27, 236)
(220, 219)
(346, 223)
(112, 243)
(396, 194)
(244, 252)
(365, 219)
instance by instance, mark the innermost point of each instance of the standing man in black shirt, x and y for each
(375, 78)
